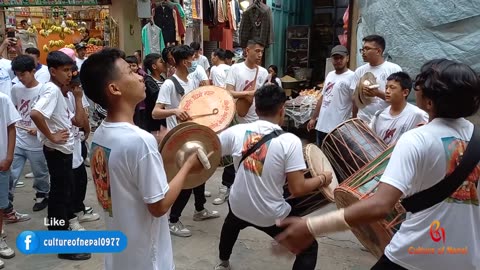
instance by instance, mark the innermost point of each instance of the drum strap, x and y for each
(443, 189)
(178, 87)
(262, 141)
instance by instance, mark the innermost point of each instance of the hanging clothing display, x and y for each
(179, 22)
(163, 18)
(188, 13)
(152, 39)
(143, 8)
(221, 18)
(256, 23)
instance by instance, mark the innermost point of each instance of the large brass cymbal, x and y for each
(171, 132)
(210, 106)
(360, 99)
(184, 142)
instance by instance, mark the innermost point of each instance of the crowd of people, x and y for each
(46, 121)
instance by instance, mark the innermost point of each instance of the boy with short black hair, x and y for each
(53, 119)
(28, 147)
(155, 65)
(401, 116)
(127, 168)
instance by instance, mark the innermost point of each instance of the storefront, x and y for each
(51, 26)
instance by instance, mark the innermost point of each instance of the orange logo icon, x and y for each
(437, 233)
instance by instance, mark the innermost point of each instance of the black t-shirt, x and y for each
(152, 90)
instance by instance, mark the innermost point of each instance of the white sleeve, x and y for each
(43, 77)
(215, 74)
(201, 74)
(152, 180)
(403, 164)
(294, 160)
(227, 140)
(47, 102)
(165, 93)
(373, 122)
(231, 77)
(355, 79)
(206, 64)
(279, 82)
(11, 114)
(85, 103)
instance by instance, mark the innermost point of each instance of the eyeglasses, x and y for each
(366, 49)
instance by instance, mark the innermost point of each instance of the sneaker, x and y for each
(4, 233)
(224, 265)
(74, 225)
(20, 184)
(29, 175)
(208, 193)
(179, 229)
(40, 204)
(86, 217)
(2, 264)
(5, 251)
(205, 214)
(14, 217)
(223, 194)
(87, 162)
(88, 210)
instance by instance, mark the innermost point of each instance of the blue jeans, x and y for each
(41, 182)
(4, 178)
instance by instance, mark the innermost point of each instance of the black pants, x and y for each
(320, 137)
(79, 188)
(232, 226)
(228, 176)
(84, 150)
(385, 264)
(61, 182)
(182, 200)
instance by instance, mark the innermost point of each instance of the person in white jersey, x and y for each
(256, 198)
(448, 91)
(199, 58)
(242, 80)
(372, 53)
(127, 169)
(185, 79)
(28, 146)
(42, 75)
(335, 105)
(219, 70)
(390, 123)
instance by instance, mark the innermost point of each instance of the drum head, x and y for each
(374, 236)
(186, 140)
(317, 162)
(210, 106)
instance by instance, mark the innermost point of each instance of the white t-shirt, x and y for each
(52, 104)
(80, 62)
(24, 98)
(218, 74)
(203, 61)
(390, 128)
(257, 193)
(337, 101)
(6, 76)
(77, 134)
(128, 173)
(8, 117)
(240, 76)
(381, 73)
(42, 75)
(421, 159)
(171, 99)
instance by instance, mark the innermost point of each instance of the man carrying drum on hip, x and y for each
(448, 91)
(256, 198)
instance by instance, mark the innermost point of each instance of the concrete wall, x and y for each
(130, 31)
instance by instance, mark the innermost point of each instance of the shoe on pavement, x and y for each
(14, 217)
(75, 257)
(29, 175)
(4, 233)
(87, 217)
(179, 229)
(224, 265)
(74, 225)
(205, 214)
(88, 210)
(5, 251)
(223, 194)
(2, 264)
(20, 184)
(87, 162)
(40, 204)
(207, 194)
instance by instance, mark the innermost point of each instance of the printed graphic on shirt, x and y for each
(327, 94)
(24, 110)
(389, 134)
(101, 177)
(467, 192)
(255, 161)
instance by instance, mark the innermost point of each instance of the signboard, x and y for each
(22, 3)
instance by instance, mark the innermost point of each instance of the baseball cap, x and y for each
(339, 49)
(80, 45)
(68, 52)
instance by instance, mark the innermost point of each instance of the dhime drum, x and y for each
(361, 185)
(350, 146)
(317, 163)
